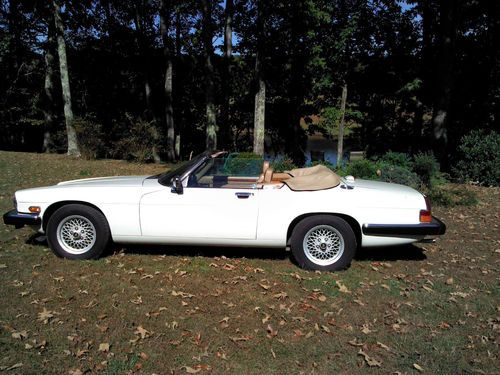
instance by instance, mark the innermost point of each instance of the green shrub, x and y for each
(364, 168)
(426, 167)
(139, 141)
(283, 164)
(440, 196)
(90, 137)
(399, 175)
(243, 164)
(479, 158)
(326, 163)
(397, 159)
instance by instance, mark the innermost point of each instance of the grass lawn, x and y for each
(173, 310)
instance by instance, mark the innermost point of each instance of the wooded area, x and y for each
(159, 79)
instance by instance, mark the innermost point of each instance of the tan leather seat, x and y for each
(281, 176)
(265, 167)
(268, 175)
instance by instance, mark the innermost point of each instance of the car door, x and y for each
(200, 212)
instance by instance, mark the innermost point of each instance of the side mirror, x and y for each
(177, 186)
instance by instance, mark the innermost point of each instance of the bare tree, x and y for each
(48, 110)
(225, 133)
(340, 144)
(440, 120)
(207, 35)
(165, 17)
(260, 93)
(66, 90)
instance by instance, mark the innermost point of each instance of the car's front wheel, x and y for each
(77, 231)
(323, 242)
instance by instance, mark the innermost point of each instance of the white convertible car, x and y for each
(207, 201)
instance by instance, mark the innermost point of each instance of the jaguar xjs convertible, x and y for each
(210, 200)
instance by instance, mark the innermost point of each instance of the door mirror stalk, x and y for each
(177, 186)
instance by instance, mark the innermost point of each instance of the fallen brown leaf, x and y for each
(418, 367)
(45, 315)
(369, 360)
(142, 332)
(104, 347)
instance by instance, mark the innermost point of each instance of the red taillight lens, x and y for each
(425, 215)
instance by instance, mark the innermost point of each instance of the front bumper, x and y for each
(435, 228)
(19, 220)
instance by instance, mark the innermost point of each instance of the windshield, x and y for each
(166, 177)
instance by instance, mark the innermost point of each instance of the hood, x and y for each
(129, 181)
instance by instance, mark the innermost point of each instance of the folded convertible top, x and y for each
(318, 177)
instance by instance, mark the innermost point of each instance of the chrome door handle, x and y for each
(243, 195)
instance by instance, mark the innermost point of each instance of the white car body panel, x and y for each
(200, 213)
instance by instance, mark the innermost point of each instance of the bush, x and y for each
(398, 159)
(399, 175)
(139, 141)
(440, 196)
(366, 169)
(243, 164)
(326, 163)
(90, 137)
(283, 164)
(479, 158)
(426, 167)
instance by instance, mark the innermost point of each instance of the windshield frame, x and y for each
(183, 170)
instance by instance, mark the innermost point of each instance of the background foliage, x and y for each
(391, 56)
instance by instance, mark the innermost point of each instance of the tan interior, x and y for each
(318, 177)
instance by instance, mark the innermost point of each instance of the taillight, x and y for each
(425, 215)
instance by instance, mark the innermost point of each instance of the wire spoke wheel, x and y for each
(76, 234)
(323, 245)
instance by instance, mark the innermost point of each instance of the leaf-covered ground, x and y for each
(414, 309)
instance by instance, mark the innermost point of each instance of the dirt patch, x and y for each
(431, 308)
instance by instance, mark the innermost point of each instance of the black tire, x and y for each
(330, 237)
(88, 226)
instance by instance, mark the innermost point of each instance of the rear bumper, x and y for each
(435, 228)
(19, 220)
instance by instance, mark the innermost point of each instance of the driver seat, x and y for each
(265, 167)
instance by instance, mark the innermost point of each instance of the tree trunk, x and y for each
(440, 120)
(260, 94)
(14, 27)
(66, 90)
(48, 109)
(140, 27)
(165, 16)
(225, 133)
(295, 140)
(178, 29)
(141, 44)
(207, 35)
(259, 118)
(340, 143)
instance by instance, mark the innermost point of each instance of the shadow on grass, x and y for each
(206, 251)
(390, 253)
(380, 254)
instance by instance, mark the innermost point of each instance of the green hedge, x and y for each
(479, 158)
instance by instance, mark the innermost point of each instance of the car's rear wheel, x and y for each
(323, 242)
(76, 231)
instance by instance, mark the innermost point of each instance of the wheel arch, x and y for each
(49, 211)
(353, 223)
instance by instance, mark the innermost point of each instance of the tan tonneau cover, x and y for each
(318, 177)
